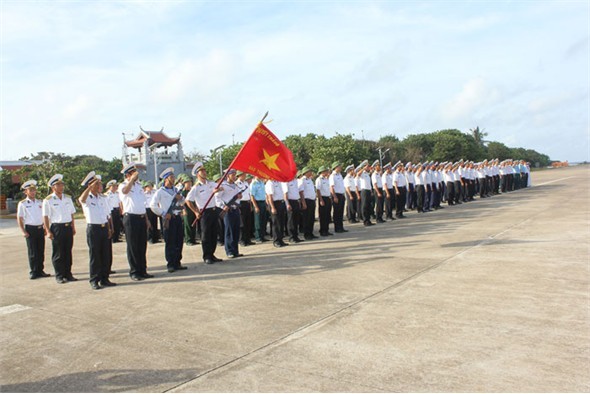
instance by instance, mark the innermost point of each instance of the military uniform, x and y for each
(308, 192)
(30, 218)
(58, 213)
(291, 191)
(276, 202)
(228, 200)
(337, 191)
(322, 184)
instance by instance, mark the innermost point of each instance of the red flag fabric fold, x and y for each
(265, 156)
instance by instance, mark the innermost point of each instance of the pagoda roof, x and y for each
(152, 137)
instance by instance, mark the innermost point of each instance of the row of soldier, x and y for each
(237, 211)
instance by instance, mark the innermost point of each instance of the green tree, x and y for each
(497, 150)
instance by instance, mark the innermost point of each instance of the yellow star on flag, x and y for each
(270, 161)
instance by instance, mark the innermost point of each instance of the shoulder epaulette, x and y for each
(49, 197)
(23, 200)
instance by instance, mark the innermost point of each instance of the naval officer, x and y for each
(30, 221)
(98, 231)
(135, 221)
(167, 203)
(58, 217)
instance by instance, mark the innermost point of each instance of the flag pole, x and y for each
(224, 175)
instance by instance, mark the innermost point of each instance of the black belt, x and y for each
(62, 224)
(38, 227)
(136, 215)
(97, 225)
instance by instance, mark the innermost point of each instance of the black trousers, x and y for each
(209, 228)
(308, 218)
(389, 203)
(247, 221)
(338, 214)
(451, 193)
(99, 250)
(36, 249)
(458, 191)
(378, 204)
(366, 205)
(324, 211)
(278, 221)
(400, 201)
(62, 243)
(411, 198)
(136, 236)
(420, 192)
(153, 235)
(293, 218)
(173, 235)
(117, 224)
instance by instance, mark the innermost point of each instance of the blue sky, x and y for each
(78, 74)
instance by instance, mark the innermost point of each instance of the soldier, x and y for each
(167, 203)
(351, 194)
(307, 195)
(98, 231)
(258, 200)
(291, 190)
(276, 202)
(188, 216)
(247, 219)
(135, 221)
(337, 191)
(322, 184)
(114, 203)
(387, 182)
(410, 180)
(399, 185)
(377, 191)
(153, 236)
(229, 201)
(365, 185)
(30, 221)
(200, 202)
(58, 217)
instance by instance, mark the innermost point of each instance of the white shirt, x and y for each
(308, 188)
(419, 178)
(410, 177)
(350, 183)
(323, 185)
(200, 193)
(243, 185)
(95, 210)
(58, 210)
(337, 182)
(291, 189)
(387, 180)
(31, 211)
(399, 179)
(274, 189)
(113, 199)
(365, 181)
(376, 179)
(134, 201)
(163, 199)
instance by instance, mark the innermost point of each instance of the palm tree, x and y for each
(478, 136)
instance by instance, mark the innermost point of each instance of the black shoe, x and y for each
(72, 279)
(95, 286)
(34, 276)
(44, 274)
(136, 278)
(216, 259)
(250, 243)
(323, 234)
(112, 272)
(234, 256)
(295, 240)
(171, 270)
(209, 261)
(367, 224)
(180, 268)
(147, 276)
(380, 221)
(308, 238)
(279, 244)
(401, 217)
(107, 283)
(61, 280)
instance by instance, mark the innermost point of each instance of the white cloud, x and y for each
(476, 93)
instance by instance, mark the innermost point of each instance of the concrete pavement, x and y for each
(492, 295)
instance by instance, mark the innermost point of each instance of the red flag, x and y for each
(265, 156)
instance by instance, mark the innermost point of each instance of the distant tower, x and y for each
(154, 152)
